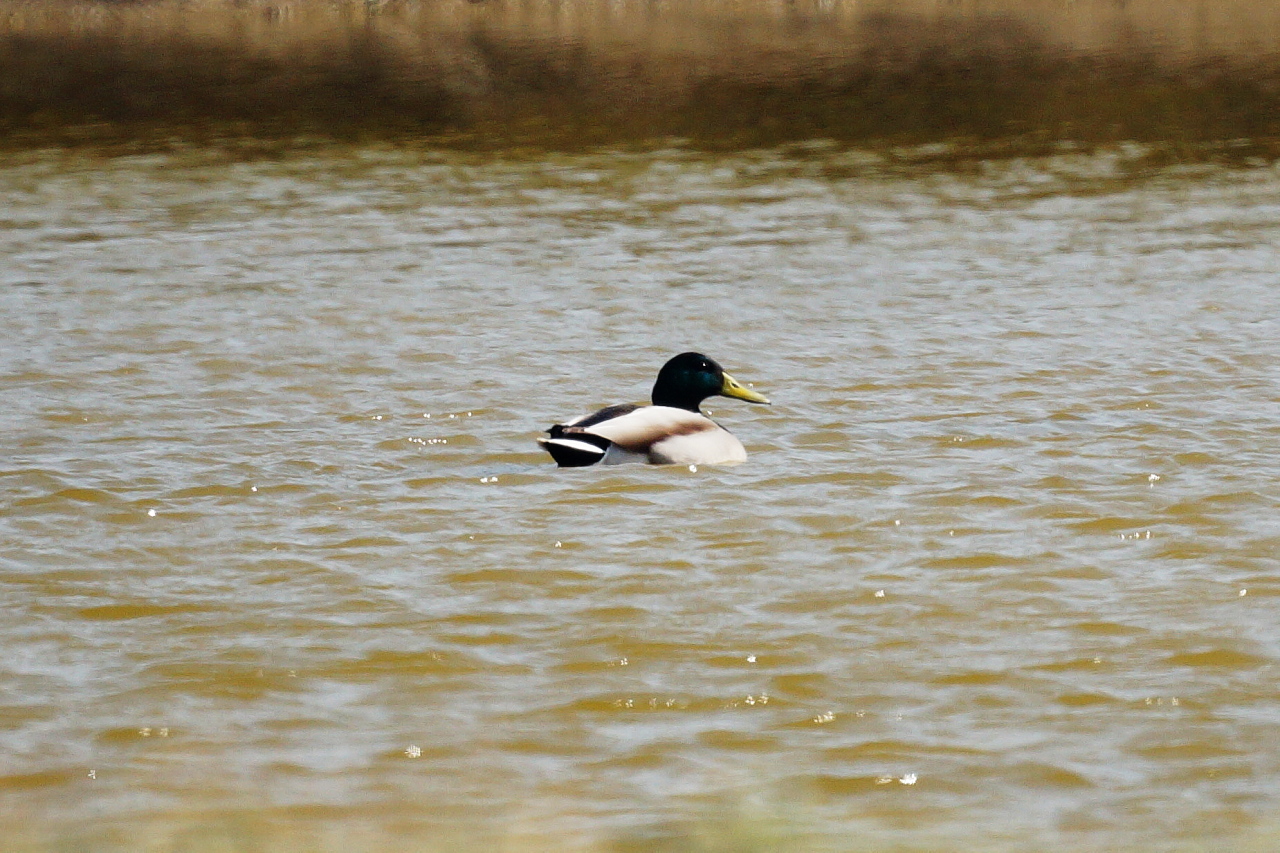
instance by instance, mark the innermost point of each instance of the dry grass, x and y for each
(719, 72)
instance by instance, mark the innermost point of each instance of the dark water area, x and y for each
(1198, 78)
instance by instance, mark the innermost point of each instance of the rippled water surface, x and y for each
(278, 551)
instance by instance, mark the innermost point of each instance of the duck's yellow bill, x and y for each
(734, 388)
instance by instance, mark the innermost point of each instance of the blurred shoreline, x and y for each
(1194, 79)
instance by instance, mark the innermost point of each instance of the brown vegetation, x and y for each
(567, 72)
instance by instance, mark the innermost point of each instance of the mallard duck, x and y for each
(670, 432)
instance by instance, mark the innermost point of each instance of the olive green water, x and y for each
(282, 566)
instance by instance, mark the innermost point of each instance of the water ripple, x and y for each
(1000, 564)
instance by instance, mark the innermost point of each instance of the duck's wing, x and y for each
(608, 413)
(639, 430)
(575, 444)
(664, 435)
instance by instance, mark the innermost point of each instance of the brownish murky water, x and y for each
(278, 552)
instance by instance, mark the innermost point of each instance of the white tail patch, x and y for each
(572, 452)
(574, 445)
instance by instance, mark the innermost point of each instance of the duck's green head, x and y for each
(689, 378)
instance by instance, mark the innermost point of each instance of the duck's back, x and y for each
(671, 436)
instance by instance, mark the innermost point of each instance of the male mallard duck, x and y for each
(670, 432)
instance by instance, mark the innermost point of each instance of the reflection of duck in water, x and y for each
(670, 432)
